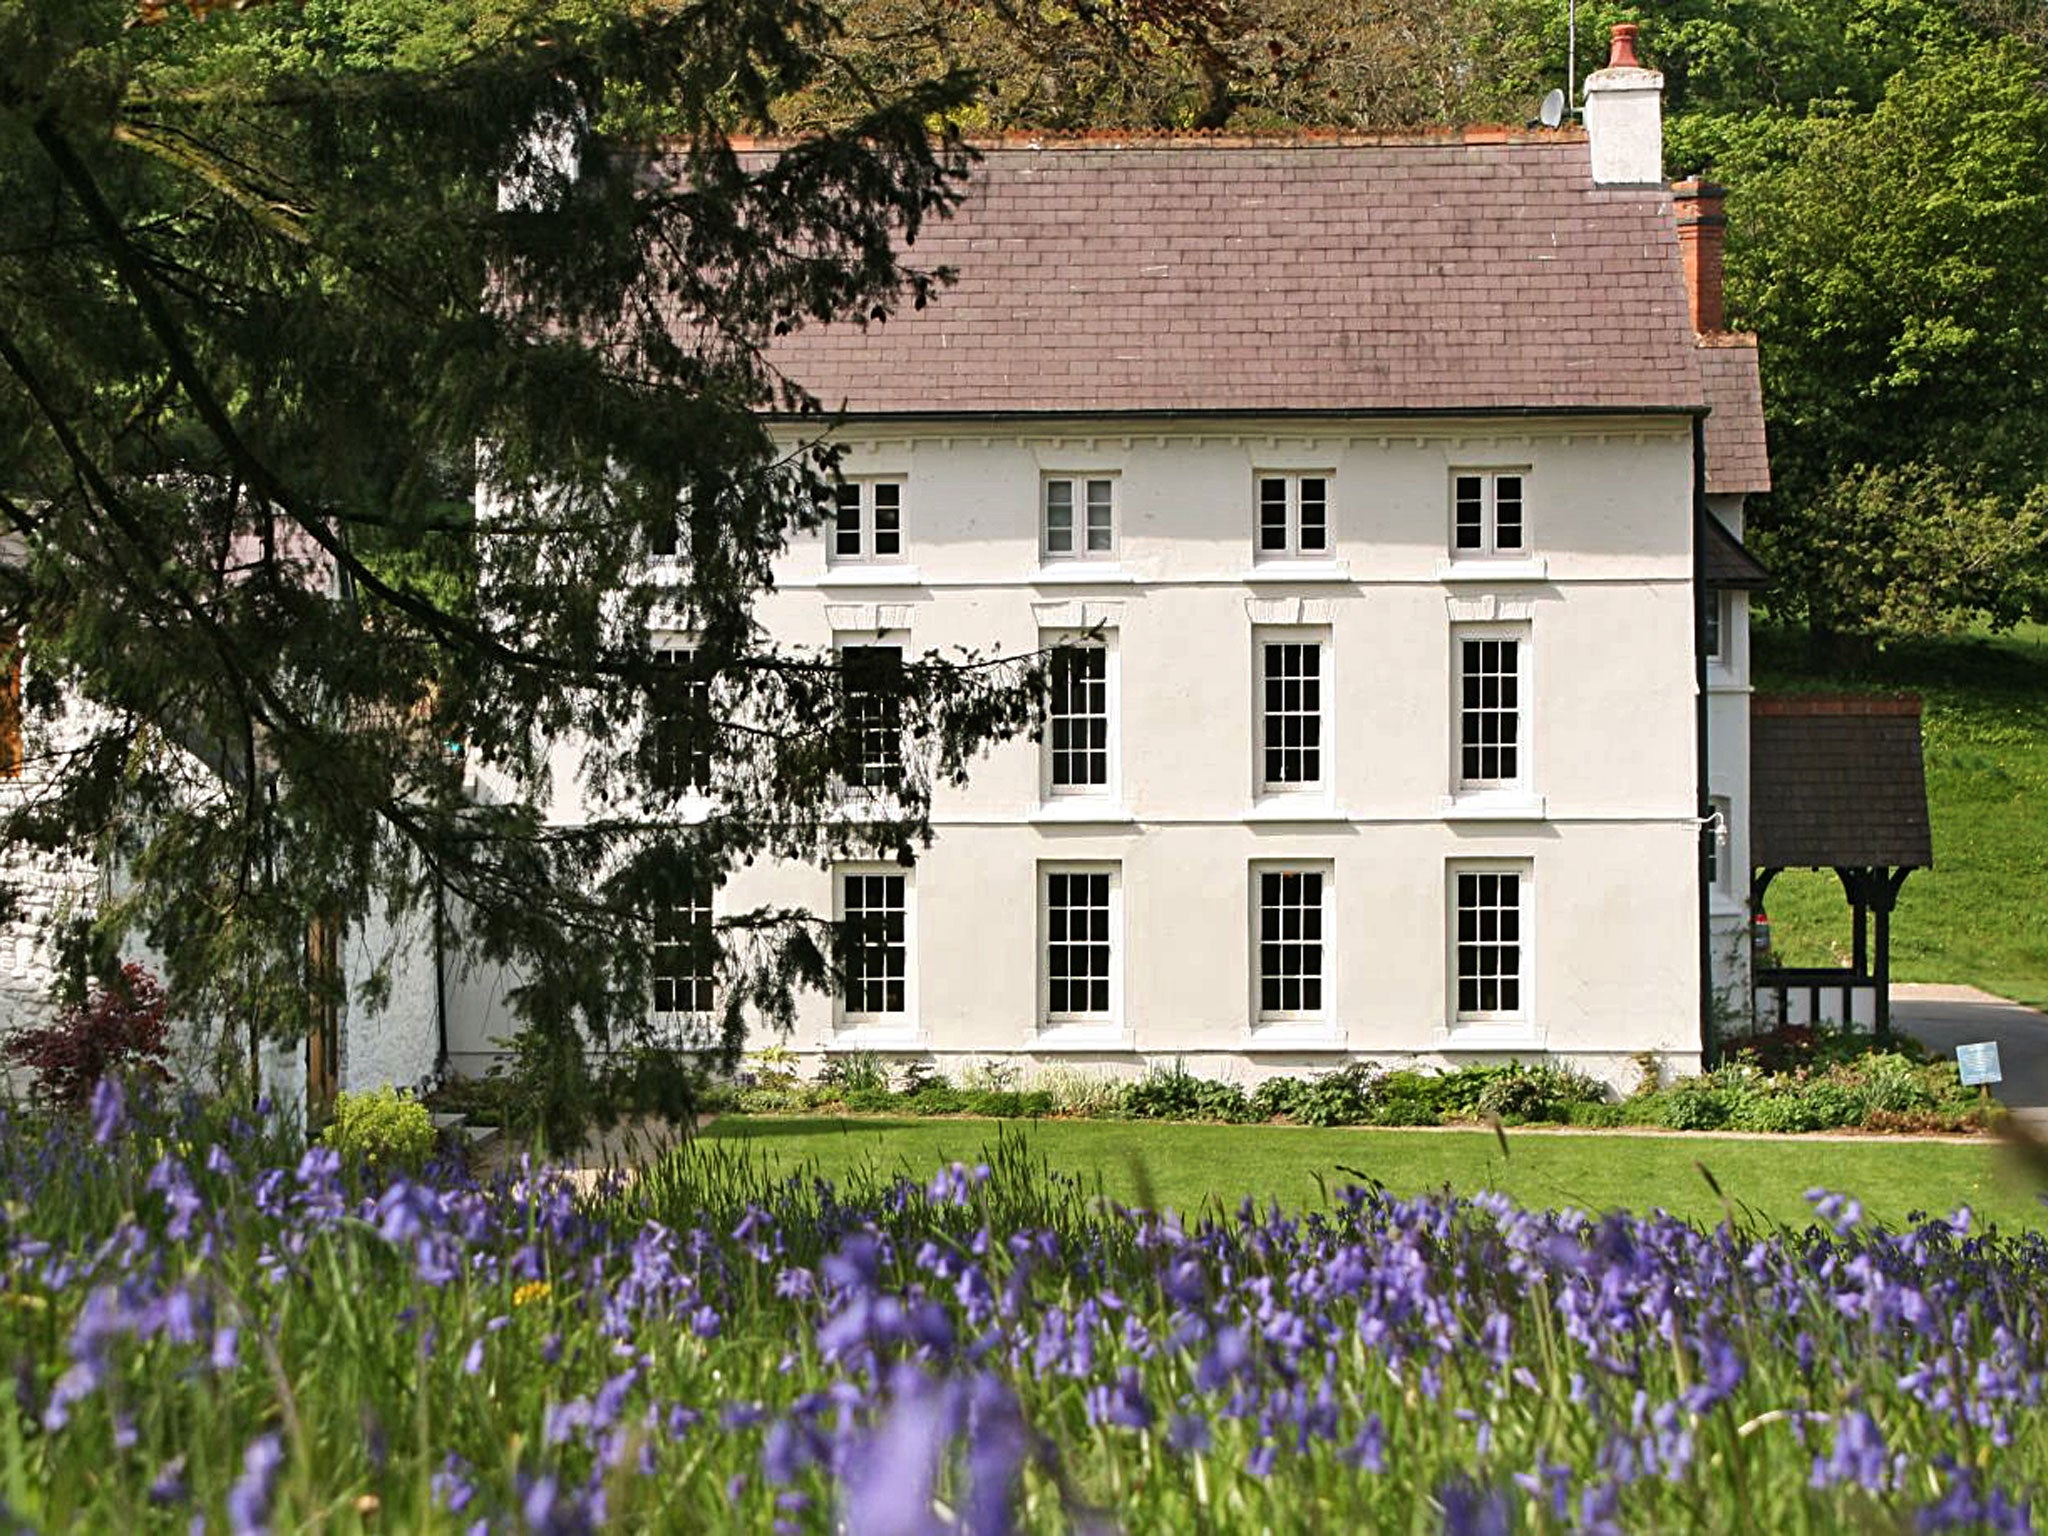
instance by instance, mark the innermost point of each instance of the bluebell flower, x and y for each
(1227, 1359)
(1858, 1455)
(1472, 1510)
(109, 1109)
(1188, 1433)
(892, 1473)
(169, 1486)
(249, 1500)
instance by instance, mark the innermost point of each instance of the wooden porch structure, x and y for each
(1837, 782)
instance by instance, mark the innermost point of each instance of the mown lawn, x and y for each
(1185, 1166)
(1978, 916)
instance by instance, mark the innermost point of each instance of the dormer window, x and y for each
(1079, 518)
(1489, 513)
(867, 522)
(1293, 517)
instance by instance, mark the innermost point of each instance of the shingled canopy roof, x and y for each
(1726, 562)
(1836, 781)
(1482, 272)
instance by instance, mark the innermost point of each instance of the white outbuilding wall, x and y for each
(1728, 692)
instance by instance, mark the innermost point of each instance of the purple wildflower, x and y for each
(250, 1499)
(109, 1109)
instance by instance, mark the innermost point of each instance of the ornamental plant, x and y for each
(119, 1029)
(207, 1328)
(383, 1129)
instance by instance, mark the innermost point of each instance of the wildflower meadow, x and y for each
(210, 1326)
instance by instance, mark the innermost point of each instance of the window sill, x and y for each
(878, 575)
(1493, 805)
(1512, 1036)
(1081, 810)
(1078, 1036)
(1721, 904)
(1294, 1035)
(857, 806)
(1295, 808)
(1298, 570)
(1082, 573)
(876, 1037)
(1480, 568)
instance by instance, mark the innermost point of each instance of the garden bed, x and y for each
(1791, 1081)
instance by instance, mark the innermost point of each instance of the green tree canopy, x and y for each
(1883, 157)
(283, 291)
(1896, 266)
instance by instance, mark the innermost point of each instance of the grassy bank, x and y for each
(1978, 916)
(1187, 1166)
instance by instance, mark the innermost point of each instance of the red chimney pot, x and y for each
(1622, 48)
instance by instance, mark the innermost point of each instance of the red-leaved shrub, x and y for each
(117, 1029)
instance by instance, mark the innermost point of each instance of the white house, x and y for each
(1383, 498)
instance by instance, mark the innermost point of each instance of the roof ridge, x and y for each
(1223, 138)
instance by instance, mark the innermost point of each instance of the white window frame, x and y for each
(706, 979)
(1079, 485)
(1291, 483)
(1503, 788)
(867, 523)
(682, 651)
(1267, 1022)
(1489, 477)
(1110, 789)
(1715, 612)
(886, 640)
(1481, 1027)
(852, 1026)
(1071, 1025)
(1317, 635)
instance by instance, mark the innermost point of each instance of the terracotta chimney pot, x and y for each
(1624, 114)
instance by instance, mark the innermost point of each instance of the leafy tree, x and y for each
(282, 289)
(1897, 269)
(1200, 64)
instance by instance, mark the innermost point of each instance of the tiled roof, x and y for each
(1836, 779)
(1737, 459)
(1724, 562)
(1436, 274)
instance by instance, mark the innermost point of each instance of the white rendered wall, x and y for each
(1608, 831)
(49, 889)
(394, 1043)
(397, 1041)
(1728, 691)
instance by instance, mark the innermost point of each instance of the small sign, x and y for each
(1978, 1063)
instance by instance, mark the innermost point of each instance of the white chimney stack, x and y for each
(1625, 117)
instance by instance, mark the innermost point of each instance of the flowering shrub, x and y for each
(381, 1128)
(207, 1328)
(117, 1029)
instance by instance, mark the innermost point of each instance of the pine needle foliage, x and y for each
(356, 359)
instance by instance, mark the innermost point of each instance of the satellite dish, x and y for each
(1552, 112)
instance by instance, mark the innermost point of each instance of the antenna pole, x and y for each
(1571, 56)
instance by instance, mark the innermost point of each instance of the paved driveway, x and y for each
(1944, 1017)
